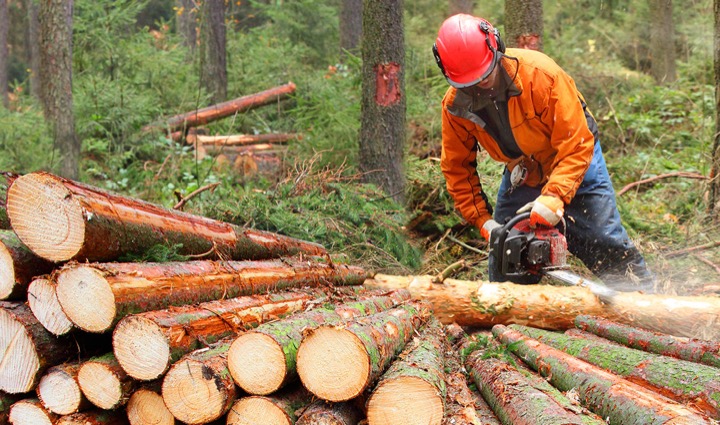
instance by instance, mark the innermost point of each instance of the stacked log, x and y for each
(18, 266)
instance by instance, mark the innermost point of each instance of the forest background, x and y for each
(132, 67)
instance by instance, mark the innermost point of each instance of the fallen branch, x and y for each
(684, 174)
(692, 249)
(183, 200)
(707, 262)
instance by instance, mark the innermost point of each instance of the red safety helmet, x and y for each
(466, 49)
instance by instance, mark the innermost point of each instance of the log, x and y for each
(27, 348)
(62, 220)
(96, 296)
(231, 107)
(689, 383)
(4, 221)
(94, 417)
(484, 304)
(278, 409)
(419, 370)
(105, 383)
(6, 401)
(60, 391)
(263, 360)
(146, 344)
(146, 407)
(18, 266)
(321, 412)
(44, 304)
(692, 350)
(337, 363)
(239, 139)
(616, 399)
(31, 412)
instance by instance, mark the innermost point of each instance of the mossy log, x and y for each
(31, 412)
(690, 383)
(338, 362)
(44, 304)
(278, 409)
(18, 266)
(618, 400)
(62, 220)
(321, 412)
(96, 296)
(105, 383)
(60, 391)
(419, 370)
(95, 417)
(692, 350)
(263, 360)
(146, 406)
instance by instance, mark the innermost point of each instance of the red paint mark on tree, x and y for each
(387, 84)
(529, 41)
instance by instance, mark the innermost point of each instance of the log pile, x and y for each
(269, 330)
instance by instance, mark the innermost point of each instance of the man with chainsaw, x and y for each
(526, 112)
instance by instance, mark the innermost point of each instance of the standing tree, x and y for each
(524, 24)
(185, 23)
(382, 127)
(212, 49)
(460, 6)
(351, 13)
(714, 204)
(33, 47)
(4, 25)
(662, 41)
(56, 80)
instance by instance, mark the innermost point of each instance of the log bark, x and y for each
(60, 391)
(18, 266)
(277, 409)
(44, 304)
(221, 110)
(239, 139)
(4, 221)
(31, 412)
(105, 383)
(146, 407)
(419, 370)
(337, 363)
(94, 417)
(321, 412)
(611, 397)
(96, 296)
(484, 304)
(689, 383)
(692, 350)
(61, 220)
(27, 348)
(263, 360)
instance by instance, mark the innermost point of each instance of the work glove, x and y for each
(544, 211)
(487, 229)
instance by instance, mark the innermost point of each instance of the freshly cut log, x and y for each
(146, 344)
(263, 360)
(690, 383)
(60, 391)
(44, 304)
(198, 388)
(30, 412)
(6, 401)
(278, 409)
(419, 370)
(610, 396)
(96, 296)
(146, 407)
(18, 266)
(94, 417)
(692, 350)
(231, 107)
(239, 139)
(321, 412)
(484, 304)
(27, 348)
(105, 383)
(61, 220)
(338, 362)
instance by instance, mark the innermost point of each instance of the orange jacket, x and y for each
(548, 123)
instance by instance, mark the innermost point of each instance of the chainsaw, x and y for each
(521, 251)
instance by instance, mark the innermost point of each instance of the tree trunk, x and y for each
(240, 139)
(96, 296)
(33, 47)
(338, 362)
(105, 383)
(714, 199)
(4, 54)
(94, 417)
(382, 127)
(524, 24)
(662, 41)
(212, 48)
(692, 350)
(60, 391)
(263, 360)
(351, 16)
(31, 412)
(419, 370)
(323, 413)
(18, 266)
(277, 409)
(608, 395)
(44, 304)
(62, 220)
(460, 6)
(146, 407)
(186, 25)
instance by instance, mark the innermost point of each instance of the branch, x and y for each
(692, 249)
(708, 262)
(184, 200)
(662, 176)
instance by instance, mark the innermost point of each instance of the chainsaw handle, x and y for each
(522, 216)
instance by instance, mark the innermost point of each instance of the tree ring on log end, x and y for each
(257, 411)
(20, 362)
(192, 394)
(46, 217)
(7, 272)
(147, 408)
(46, 308)
(333, 364)
(141, 348)
(257, 363)
(100, 385)
(60, 392)
(407, 397)
(26, 412)
(86, 298)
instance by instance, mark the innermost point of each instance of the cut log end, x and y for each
(392, 400)
(100, 385)
(141, 348)
(7, 272)
(147, 408)
(60, 392)
(191, 394)
(20, 361)
(86, 298)
(25, 412)
(257, 411)
(333, 364)
(257, 363)
(45, 216)
(45, 306)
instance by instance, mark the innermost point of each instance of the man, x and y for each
(525, 111)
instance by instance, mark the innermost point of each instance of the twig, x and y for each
(448, 270)
(184, 200)
(464, 245)
(692, 249)
(708, 262)
(662, 176)
(162, 167)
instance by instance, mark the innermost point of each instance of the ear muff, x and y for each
(488, 30)
(438, 61)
